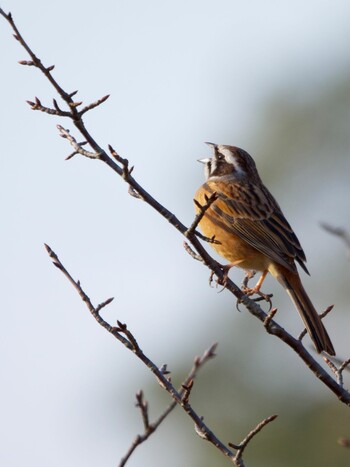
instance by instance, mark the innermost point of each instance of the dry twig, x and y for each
(343, 234)
(241, 447)
(123, 170)
(121, 332)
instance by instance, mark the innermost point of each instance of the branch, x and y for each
(201, 211)
(241, 447)
(180, 396)
(338, 232)
(121, 167)
(150, 428)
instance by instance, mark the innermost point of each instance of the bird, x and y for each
(251, 231)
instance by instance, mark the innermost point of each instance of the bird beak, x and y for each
(208, 159)
(212, 145)
(204, 161)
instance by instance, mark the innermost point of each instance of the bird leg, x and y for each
(256, 289)
(248, 274)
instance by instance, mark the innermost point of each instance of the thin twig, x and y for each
(243, 444)
(192, 253)
(64, 133)
(340, 232)
(253, 308)
(322, 315)
(338, 371)
(198, 363)
(130, 342)
(201, 212)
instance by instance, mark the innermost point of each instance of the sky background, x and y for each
(270, 77)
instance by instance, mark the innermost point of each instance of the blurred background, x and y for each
(271, 77)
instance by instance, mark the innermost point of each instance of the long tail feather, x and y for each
(307, 311)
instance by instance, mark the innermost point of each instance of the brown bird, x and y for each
(253, 232)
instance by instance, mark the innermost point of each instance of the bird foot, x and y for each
(250, 291)
(221, 281)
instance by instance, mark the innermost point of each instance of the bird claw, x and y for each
(220, 281)
(250, 291)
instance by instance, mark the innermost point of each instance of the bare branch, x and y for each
(192, 253)
(56, 111)
(93, 105)
(322, 315)
(338, 371)
(201, 212)
(241, 447)
(338, 232)
(179, 396)
(77, 146)
(121, 167)
(123, 170)
(187, 391)
(270, 317)
(143, 406)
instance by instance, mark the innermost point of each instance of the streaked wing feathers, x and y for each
(252, 213)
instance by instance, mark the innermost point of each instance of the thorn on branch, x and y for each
(72, 93)
(50, 68)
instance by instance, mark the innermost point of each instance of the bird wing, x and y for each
(252, 213)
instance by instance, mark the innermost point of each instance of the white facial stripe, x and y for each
(230, 159)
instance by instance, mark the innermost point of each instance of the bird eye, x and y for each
(220, 156)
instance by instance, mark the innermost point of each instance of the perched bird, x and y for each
(252, 231)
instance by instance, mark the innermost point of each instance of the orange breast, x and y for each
(234, 249)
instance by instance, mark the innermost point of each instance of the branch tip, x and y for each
(75, 104)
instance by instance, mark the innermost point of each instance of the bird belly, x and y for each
(233, 248)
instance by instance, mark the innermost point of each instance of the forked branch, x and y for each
(180, 396)
(121, 166)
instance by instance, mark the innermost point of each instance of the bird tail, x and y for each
(307, 311)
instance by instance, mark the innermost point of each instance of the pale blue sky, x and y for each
(179, 73)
